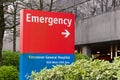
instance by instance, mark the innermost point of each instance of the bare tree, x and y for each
(39, 4)
(95, 7)
(50, 9)
(2, 26)
(12, 21)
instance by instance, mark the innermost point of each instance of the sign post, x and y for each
(46, 40)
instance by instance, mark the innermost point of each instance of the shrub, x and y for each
(81, 70)
(79, 56)
(8, 73)
(10, 58)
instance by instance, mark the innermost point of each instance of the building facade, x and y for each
(98, 33)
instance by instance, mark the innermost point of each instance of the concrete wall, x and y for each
(104, 27)
(9, 45)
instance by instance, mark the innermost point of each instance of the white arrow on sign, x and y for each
(66, 33)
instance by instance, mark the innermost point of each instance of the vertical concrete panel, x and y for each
(9, 45)
(86, 50)
(118, 24)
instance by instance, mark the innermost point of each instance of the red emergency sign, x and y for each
(46, 32)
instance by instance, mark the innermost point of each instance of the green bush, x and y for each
(79, 56)
(10, 58)
(81, 70)
(8, 73)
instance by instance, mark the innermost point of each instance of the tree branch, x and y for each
(51, 5)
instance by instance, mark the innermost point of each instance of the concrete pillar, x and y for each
(116, 50)
(80, 50)
(111, 51)
(86, 51)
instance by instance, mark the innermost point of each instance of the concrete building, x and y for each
(99, 35)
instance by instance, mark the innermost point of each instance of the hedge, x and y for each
(79, 56)
(81, 70)
(10, 58)
(8, 73)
